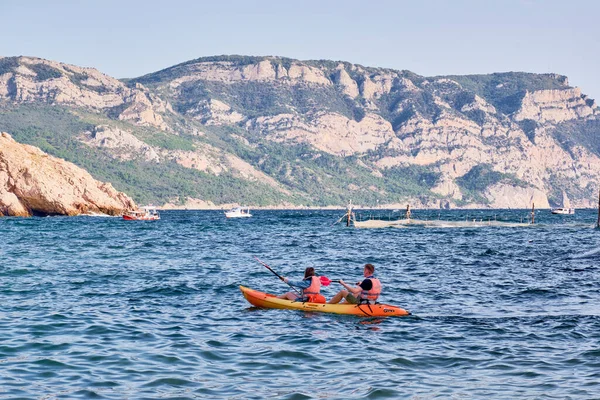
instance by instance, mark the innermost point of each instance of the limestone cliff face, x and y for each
(32, 182)
(349, 85)
(124, 144)
(530, 137)
(555, 106)
(330, 132)
(449, 125)
(265, 70)
(214, 112)
(506, 196)
(30, 80)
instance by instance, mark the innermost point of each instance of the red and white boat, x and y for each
(143, 214)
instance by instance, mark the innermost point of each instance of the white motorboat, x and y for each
(238, 212)
(563, 211)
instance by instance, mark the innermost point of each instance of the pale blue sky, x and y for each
(126, 39)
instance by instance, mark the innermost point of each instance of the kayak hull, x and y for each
(266, 300)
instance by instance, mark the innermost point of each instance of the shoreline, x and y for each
(315, 208)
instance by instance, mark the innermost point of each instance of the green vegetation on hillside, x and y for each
(474, 183)
(327, 179)
(305, 174)
(585, 133)
(8, 64)
(44, 72)
(55, 131)
(529, 126)
(255, 99)
(312, 177)
(414, 180)
(506, 90)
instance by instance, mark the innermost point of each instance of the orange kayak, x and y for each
(266, 300)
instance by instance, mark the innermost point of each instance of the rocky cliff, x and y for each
(32, 182)
(323, 132)
(31, 80)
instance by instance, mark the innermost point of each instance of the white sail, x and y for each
(566, 202)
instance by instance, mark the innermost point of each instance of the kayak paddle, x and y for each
(325, 281)
(276, 274)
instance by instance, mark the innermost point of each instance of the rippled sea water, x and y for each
(104, 308)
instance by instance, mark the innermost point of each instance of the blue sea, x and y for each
(103, 308)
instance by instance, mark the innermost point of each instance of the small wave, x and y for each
(382, 393)
(166, 291)
(538, 292)
(594, 354)
(489, 252)
(588, 254)
(213, 356)
(169, 382)
(98, 330)
(401, 361)
(16, 272)
(293, 355)
(47, 362)
(98, 215)
(166, 360)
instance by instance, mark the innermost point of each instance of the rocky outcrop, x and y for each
(447, 187)
(374, 87)
(554, 106)
(299, 73)
(214, 112)
(478, 104)
(124, 145)
(264, 70)
(349, 85)
(29, 80)
(32, 182)
(506, 196)
(329, 132)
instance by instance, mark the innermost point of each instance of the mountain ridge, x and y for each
(318, 132)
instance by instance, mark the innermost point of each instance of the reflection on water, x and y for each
(369, 323)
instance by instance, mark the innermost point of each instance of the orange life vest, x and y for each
(311, 294)
(314, 288)
(316, 298)
(373, 294)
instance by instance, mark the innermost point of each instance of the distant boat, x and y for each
(563, 211)
(148, 213)
(238, 212)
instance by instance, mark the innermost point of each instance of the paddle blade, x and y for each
(325, 281)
